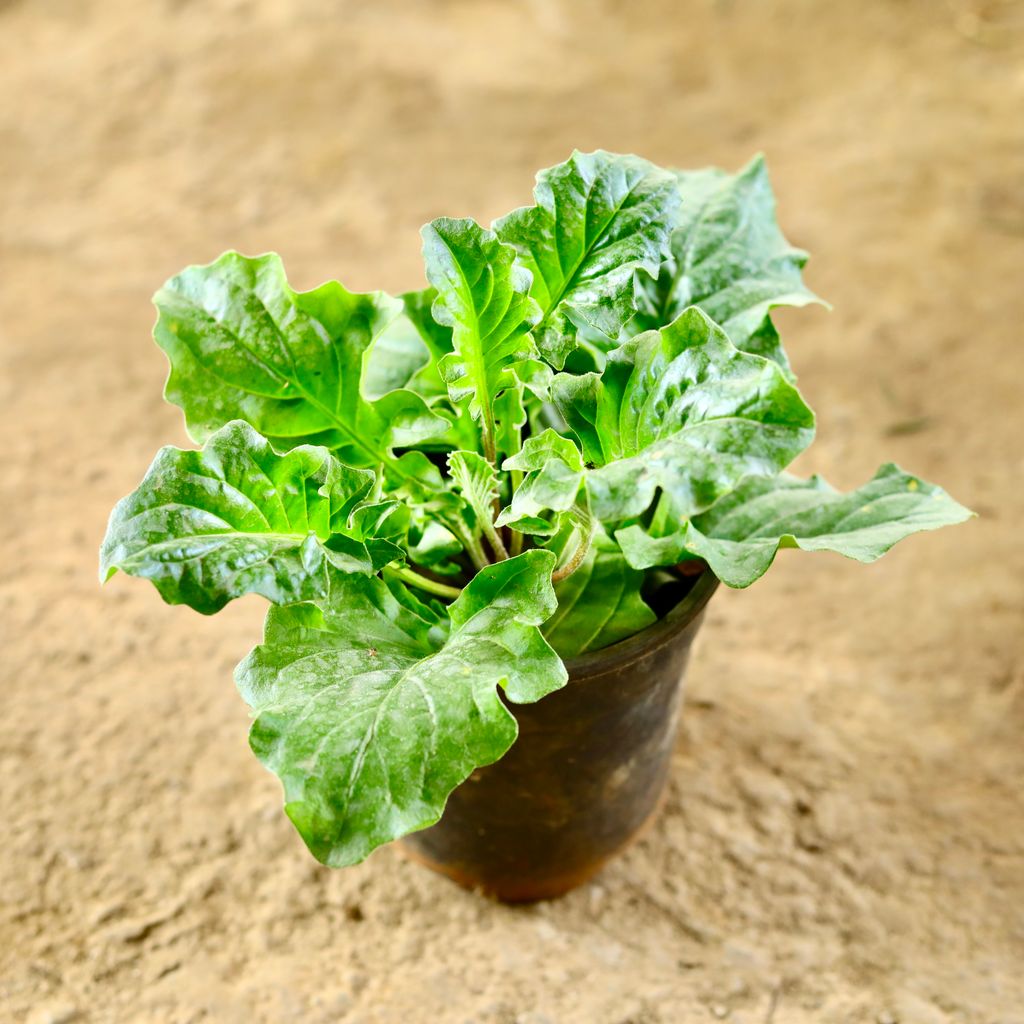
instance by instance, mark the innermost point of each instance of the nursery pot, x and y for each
(585, 775)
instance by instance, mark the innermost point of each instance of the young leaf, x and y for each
(554, 472)
(484, 297)
(243, 345)
(371, 716)
(599, 218)
(740, 535)
(728, 257)
(475, 478)
(683, 410)
(599, 604)
(236, 518)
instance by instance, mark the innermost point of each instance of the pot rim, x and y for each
(647, 640)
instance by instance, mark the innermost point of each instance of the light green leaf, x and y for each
(598, 219)
(475, 478)
(371, 716)
(599, 604)
(683, 410)
(554, 472)
(740, 535)
(236, 518)
(408, 351)
(484, 297)
(243, 345)
(728, 257)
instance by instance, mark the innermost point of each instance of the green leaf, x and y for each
(598, 219)
(554, 473)
(243, 345)
(728, 257)
(371, 716)
(407, 352)
(683, 410)
(475, 478)
(740, 535)
(236, 518)
(484, 297)
(599, 604)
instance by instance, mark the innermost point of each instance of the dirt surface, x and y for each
(844, 836)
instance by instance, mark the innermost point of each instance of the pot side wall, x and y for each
(585, 775)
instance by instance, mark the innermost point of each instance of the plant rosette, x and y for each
(446, 495)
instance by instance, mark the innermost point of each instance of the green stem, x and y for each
(414, 579)
(515, 546)
(472, 546)
(582, 548)
(496, 543)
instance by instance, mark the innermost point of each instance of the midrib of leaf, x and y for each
(234, 534)
(477, 361)
(588, 249)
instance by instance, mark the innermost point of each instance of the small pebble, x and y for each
(885, 1017)
(719, 1011)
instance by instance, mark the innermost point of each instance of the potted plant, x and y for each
(496, 505)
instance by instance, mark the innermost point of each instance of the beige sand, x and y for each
(844, 837)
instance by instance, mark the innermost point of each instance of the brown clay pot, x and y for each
(585, 775)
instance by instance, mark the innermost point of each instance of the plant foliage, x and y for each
(444, 494)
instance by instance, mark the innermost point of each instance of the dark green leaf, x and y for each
(371, 716)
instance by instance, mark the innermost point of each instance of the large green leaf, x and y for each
(236, 518)
(728, 257)
(243, 345)
(485, 298)
(598, 219)
(740, 535)
(683, 410)
(599, 604)
(371, 716)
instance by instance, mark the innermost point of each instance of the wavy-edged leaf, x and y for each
(553, 468)
(741, 534)
(683, 410)
(599, 604)
(730, 258)
(598, 219)
(484, 297)
(371, 716)
(244, 345)
(235, 518)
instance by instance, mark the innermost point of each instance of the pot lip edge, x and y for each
(647, 640)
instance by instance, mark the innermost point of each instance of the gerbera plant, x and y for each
(444, 494)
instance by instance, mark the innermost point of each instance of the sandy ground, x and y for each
(844, 836)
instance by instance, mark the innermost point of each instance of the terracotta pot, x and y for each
(585, 775)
